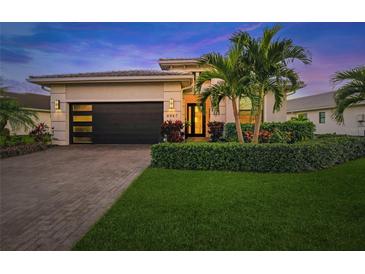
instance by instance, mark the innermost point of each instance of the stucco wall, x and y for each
(172, 91)
(114, 92)
(351, 126)
(269, 114)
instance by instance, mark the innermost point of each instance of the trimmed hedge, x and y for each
(301, 130)
(303, 156)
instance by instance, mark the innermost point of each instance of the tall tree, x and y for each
(351, 92)
(11, 112)
(267, 61)
(229, 75)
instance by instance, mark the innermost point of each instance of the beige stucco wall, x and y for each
(269, 114)
(115, 92)
(351, 126)
(43, 117)
(172, 91)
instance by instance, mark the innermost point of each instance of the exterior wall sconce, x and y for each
(171, 104)
(57, 105)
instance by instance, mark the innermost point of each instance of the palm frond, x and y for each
(207, 75)
(357, 74)
(350, 93)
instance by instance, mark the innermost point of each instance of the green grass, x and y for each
(208, 210)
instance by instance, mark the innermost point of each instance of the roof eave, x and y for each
(113, 79)
(165, 64)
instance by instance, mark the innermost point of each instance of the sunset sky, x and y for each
(49, 48)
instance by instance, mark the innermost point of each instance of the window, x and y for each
(82, 129)
(245, 111)
(83, 118)
(82, 107)
(82, 140)
(322, 117)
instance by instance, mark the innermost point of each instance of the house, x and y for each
(129, 106)
(319, 109)
(35, 102)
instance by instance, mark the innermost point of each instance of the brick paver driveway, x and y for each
(50, 199)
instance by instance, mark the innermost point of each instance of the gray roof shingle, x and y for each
(177, 59)
(319, 101)
(113, 74)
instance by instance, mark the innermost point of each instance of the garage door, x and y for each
(116, 123)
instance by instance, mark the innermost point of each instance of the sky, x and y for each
(53, 48)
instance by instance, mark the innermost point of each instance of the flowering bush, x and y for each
(215, 129)
(41, 133)
(264, 136)
(172, 131)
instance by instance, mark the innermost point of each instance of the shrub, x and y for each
(294, 130)
(14, 140)
(277, 137)
(303, 156)
(172, 131)
(215, 129)
(41, 133)
(21, 149)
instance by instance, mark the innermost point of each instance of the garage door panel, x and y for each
(114, 123)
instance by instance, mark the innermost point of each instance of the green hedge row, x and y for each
(301, 130)
(303, 156)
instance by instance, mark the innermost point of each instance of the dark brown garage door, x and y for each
(116, 123)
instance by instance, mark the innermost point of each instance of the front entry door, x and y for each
(196, 121)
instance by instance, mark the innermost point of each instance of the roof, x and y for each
(112, 77)
(31, 100)
(165, 63)
(115, 73)
(313, 102)
(178, 59)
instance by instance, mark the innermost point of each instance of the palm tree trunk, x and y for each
(237, 120)
(258, 118)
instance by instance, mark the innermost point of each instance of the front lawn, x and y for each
(216, 210)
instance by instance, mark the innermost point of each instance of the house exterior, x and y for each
(319, 109)
(129, 106)
(35, 102)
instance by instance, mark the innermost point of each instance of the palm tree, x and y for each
(267, 61)
(12, 113)
(351, 92)
(229, 73)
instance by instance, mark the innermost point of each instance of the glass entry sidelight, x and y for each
(196, 121)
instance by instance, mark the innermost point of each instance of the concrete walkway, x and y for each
(50, 199)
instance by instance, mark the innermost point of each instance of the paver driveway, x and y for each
(50, 199)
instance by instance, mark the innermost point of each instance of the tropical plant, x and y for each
(172, 131)
(300, 118)
(228, 72)
(12, 113)
(41, 133)
(215, 130)
(351, 92)
(265, 62)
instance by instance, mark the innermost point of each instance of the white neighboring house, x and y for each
(31, 101)
(319, 109)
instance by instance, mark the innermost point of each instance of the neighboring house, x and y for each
(31, 101)
(319, 109)
(129, 106)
